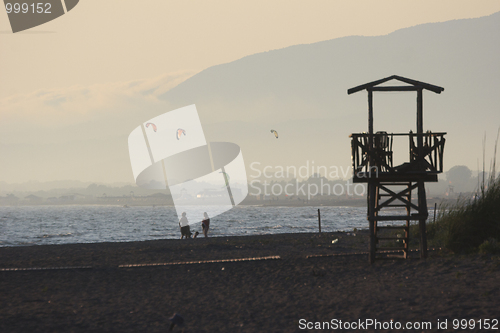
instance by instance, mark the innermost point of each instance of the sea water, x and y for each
(40, 225)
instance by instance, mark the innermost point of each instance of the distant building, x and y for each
(208, 193)
(33, 198)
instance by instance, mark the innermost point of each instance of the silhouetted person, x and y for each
(205, 224)
(184, 225)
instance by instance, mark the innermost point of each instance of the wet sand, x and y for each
(312, 281)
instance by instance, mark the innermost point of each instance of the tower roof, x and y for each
(413, 85)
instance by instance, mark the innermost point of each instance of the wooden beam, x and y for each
(398, 196)
(424, 85)
(400, 134)
(364, 177)
(415, 83)
(370, 127)
(420, 123)
(398, 217)
(370, 112)
(395, 88)
(369, 84)
(392, 227)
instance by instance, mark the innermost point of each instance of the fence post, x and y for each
(435, 207)
(319, 221)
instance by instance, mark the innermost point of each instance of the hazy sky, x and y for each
(115, 40)
(109, 49)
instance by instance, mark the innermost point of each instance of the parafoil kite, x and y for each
(226, 177)
(152, 125)
(275, 133)
(180, 131)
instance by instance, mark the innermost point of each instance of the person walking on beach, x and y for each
(184, 225)
(205, 224)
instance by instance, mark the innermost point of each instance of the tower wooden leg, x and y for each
(422, 206)
(371, 218)
(407, 229)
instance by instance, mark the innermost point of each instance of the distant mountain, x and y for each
(301, 92)
(33, 186)
(62, 185)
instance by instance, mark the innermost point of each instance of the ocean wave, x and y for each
(68, 234)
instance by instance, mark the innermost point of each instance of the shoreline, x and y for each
(200, 236)
(173, 250)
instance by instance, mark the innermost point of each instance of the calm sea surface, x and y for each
(39, 225)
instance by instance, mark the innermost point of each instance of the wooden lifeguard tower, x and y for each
(391, 186)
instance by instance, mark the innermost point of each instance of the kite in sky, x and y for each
(226, 177)
(152, 125)
(180, 131)
(275, 133)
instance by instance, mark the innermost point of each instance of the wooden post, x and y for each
(420, 123)
(375, 212)
(435, 208)
(407, 229)
(319, 222)
(372, 191)
(422, 200)
(422, 211)
(370, 128)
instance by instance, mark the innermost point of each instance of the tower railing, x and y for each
(377, 161)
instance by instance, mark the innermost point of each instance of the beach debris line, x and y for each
(43, 268)
(143, 265)
(201, 262)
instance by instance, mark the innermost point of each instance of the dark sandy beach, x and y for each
(273, 295)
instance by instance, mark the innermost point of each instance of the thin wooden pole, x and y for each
(370, 127)
(435, 208)
(370, 111)
(420, 113)
(420, 124)
(372, 191)
(319, 221)
(407, 229)
(422, 207)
